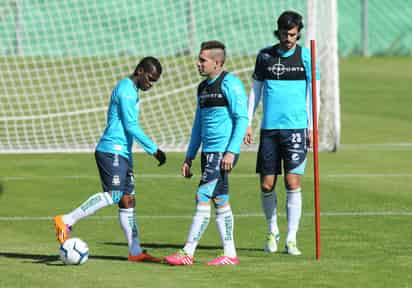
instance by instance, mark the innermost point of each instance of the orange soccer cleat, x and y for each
(144, 257)
(62, 230)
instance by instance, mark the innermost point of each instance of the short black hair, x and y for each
(148, 63)
(290, 19)
(214, 44)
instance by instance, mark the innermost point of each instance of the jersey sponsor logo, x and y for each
(280, 69)
(212, 96)
(212, 100)
(273, 66)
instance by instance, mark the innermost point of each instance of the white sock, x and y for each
(269, 203)
(127, 220)
(89, 207)
(294, 212)
(225, 221)
(199, 224)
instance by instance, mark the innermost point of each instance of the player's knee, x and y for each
(116, 196)
(292, 182)
(292, 185)
(221, 201)
(267, 187)
(127, 201)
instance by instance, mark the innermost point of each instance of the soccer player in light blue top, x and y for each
(219, 126)
(283, 75)
(114, 159)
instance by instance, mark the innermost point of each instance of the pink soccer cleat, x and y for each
(179, 258)
(223, 260)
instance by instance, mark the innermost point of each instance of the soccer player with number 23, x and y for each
(283, 76)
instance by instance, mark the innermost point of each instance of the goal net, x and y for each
(60, 59)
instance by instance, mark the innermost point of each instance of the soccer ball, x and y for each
(74, 251)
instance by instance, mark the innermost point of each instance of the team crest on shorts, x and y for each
(116, 180)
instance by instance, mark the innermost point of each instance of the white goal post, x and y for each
(59, 61)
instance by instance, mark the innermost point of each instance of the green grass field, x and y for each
(365, 201)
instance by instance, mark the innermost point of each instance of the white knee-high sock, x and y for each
(225, 221)
(269, 204)
(294, 212)
(89, 207)
(127, 220)
(199, 224)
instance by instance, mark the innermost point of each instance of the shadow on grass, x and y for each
(54, 260)
(177, 246)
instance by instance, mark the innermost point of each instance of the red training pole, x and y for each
(315, 148)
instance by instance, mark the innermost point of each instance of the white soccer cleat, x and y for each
(292, 249)
(271, 244)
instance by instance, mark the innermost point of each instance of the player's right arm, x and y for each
(253, 102)
(194, 144)
(255, 94)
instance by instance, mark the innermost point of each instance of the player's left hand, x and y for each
(227, 161)
(248, 139)
(187, 164)
(160, 156)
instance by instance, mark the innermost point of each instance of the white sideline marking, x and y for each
(234, 175)
(243, 215)
(376, 146)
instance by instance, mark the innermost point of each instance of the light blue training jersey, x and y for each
(220, 122)
(122, 123)
(286, 78)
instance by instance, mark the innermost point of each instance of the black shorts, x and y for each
(277, 145)
(211, 171)
(115, 172)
